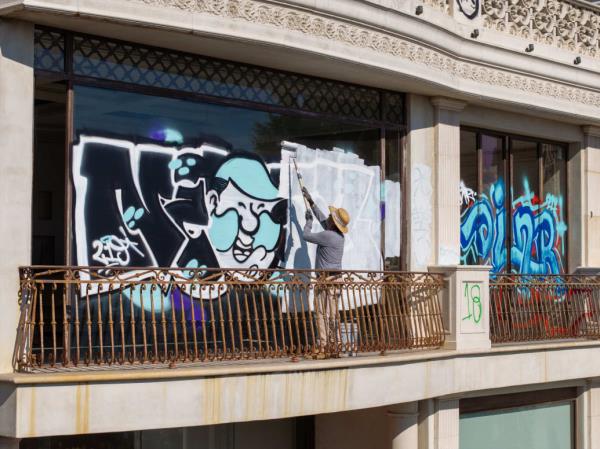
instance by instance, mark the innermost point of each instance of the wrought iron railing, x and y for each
(530, 307)
(83, 316)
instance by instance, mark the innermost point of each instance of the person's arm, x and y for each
(318, 238)
(318, 212)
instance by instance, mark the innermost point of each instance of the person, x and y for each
(330, 251)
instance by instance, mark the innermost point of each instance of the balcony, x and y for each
(84, 318)
(526, 308)
(91, 318)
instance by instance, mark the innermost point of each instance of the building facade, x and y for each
(157, 289)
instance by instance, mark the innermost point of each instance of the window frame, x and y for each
(508, 164)
(72, 79)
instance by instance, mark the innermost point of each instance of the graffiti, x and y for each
(472, 297)
(210, 207)
(470, 8)
(112, 250)
(467, 195)
(247, 216)
(421, 214)
(538, 230)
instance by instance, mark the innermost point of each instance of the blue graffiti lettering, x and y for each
(538, 231)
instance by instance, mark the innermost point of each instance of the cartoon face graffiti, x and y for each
(470, 8)
(247, 217)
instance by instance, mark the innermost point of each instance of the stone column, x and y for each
(447, 179)
(588, 185)
(16, 166)
(403, 425)
(439, 424)
(447, 421)
(466, 306)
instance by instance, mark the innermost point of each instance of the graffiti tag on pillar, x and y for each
(472, 298)
(472, 308)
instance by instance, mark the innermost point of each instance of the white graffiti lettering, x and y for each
(113, 251)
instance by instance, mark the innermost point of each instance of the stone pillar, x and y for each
(466, 306)
(403, 425)
(16, 166)
(589, 184)
(439, 424)
(591, 415)
(447, 421)
(447, 179)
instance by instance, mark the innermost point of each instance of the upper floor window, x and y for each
(513, 208)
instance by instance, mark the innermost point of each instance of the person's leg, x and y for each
(333, 322)
(320, 312)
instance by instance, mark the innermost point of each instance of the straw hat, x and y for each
(340, 218)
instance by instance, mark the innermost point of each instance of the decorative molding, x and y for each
(560, 23)
(592, 131)
(470, 8)
(361, 36)
(448, 104)
(440, 5)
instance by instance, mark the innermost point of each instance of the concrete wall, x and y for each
(16, 166)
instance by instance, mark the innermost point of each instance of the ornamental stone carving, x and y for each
(360, 36)
(470, 8)
(555, 22)
(440, 5)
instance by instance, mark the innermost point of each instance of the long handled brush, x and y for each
(301, 183)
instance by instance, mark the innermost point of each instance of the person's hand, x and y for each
(307, 195)
(308, 215)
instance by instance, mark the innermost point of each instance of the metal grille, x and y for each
(88, 317)
(101, 58)
(49, 50)
(529, 307)
(394, 107)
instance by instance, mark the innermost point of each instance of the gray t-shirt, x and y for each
(330, 244)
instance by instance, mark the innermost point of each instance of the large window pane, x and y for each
(483, 233)
(547, 426)
(167, 182)
(492, 207)
(529, 253)
(48, 223)
(392, 199)
(552, 235)
(470, 238)
(511, 222)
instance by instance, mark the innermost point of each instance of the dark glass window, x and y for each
(179, 159)
(168, 182)
(99, 58)
(525, 177)
(48, 230)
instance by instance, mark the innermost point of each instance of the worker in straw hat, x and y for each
(330, 250)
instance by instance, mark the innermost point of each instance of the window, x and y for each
(181, 160)
(513, 213)
(530, 420)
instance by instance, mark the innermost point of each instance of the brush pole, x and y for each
(301, 183)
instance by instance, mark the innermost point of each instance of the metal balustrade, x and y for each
(544, 307)
(84, 317)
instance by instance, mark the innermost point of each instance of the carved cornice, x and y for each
(560, 23)
(362, 36)
(440, 5)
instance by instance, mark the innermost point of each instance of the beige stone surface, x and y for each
(89, 406)
(16, 164)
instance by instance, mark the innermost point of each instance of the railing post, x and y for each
(465, 301)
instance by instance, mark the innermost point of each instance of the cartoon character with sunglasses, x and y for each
(247, 217)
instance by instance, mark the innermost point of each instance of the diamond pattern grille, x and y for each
(106, 59)
(49, 51)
